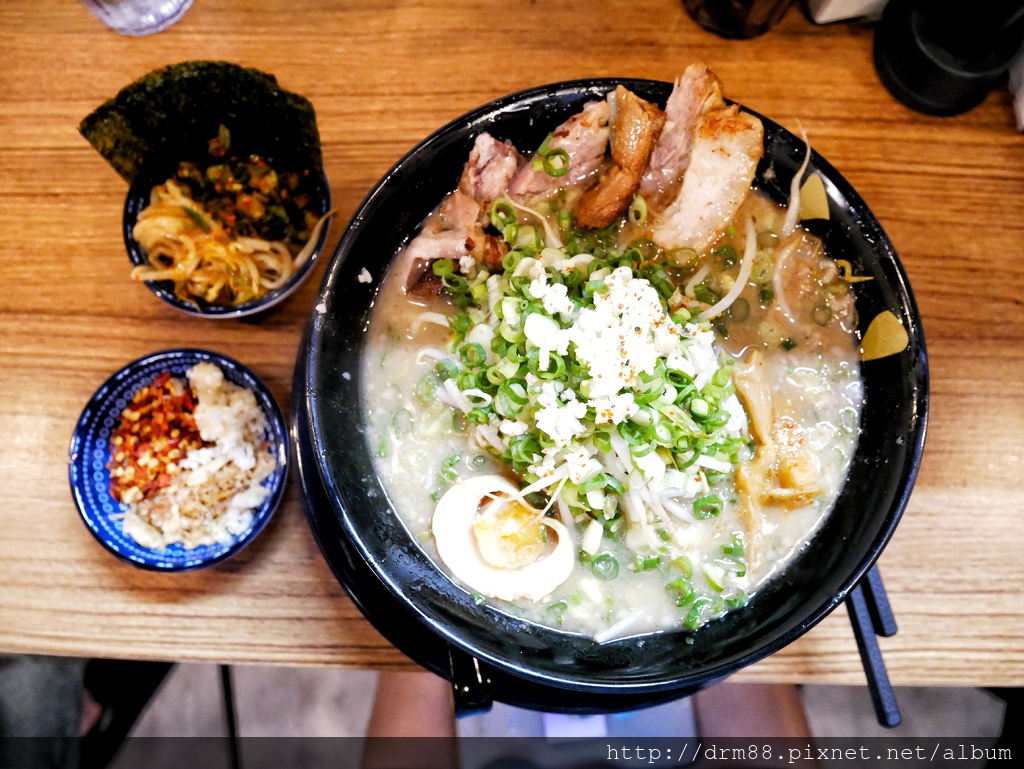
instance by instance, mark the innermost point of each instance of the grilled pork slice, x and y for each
(455, 230)
(637, 126)
(725, 152)
(584, 138)
(697, 91)
(488, 172)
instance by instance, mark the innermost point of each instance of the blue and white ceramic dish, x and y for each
(90, 453)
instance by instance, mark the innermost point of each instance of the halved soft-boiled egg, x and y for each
(499, 545)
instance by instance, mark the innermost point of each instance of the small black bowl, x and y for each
(138, 198)
(643, 667)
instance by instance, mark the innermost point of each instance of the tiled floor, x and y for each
(336, 703)
(270, 702)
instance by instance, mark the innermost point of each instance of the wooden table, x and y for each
(950, 193)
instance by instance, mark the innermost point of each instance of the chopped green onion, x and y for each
(695, 615)
(681, 589)
(614, 485)
(446, 369)
(682, 257)
(478, 292)
(448, 471)
(555, 162)
(704, 294)
(727, 255)
(605, 566)
(477, 416)
(735, 547)
(682, 317)
(426, 387)
(459, 323)
(684, 565)
(511, 260)
(502, 214)
(739, 311)
(402, 422)
(646, 563)
(543, 148)
(197, 217)
(443, 267)
(738, 601)
(637, 213)
(456, 284)
(762, 270)
(715, 576)
(558, 608)
(473, 355)
(708, 506)
(594, 484)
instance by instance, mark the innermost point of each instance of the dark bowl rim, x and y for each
(137, 198)
(277, 426)
(599, 87)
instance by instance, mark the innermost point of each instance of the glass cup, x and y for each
(739, 19)
(137, 17)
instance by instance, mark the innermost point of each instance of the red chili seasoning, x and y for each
(156, 430)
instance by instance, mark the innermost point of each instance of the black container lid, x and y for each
(942, 57)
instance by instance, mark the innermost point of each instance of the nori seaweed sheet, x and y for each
(171, 114)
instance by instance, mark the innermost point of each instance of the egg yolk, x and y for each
(509, 534)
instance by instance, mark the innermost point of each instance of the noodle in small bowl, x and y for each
(278, 286)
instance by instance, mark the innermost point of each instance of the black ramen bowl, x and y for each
(138, 198)
(389, 575)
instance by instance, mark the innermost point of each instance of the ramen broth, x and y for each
(796, 311)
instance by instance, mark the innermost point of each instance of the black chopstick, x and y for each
(471, 685)
(865, 631)
(878, 604)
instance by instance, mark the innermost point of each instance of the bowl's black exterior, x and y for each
(138, 198)
(875, 494)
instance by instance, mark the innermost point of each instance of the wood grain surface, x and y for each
(382, 75)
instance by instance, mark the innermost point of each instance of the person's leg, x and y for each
(411, 705)
(751, 710)
(40, 697)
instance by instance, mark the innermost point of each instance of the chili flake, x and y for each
(156, 430)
